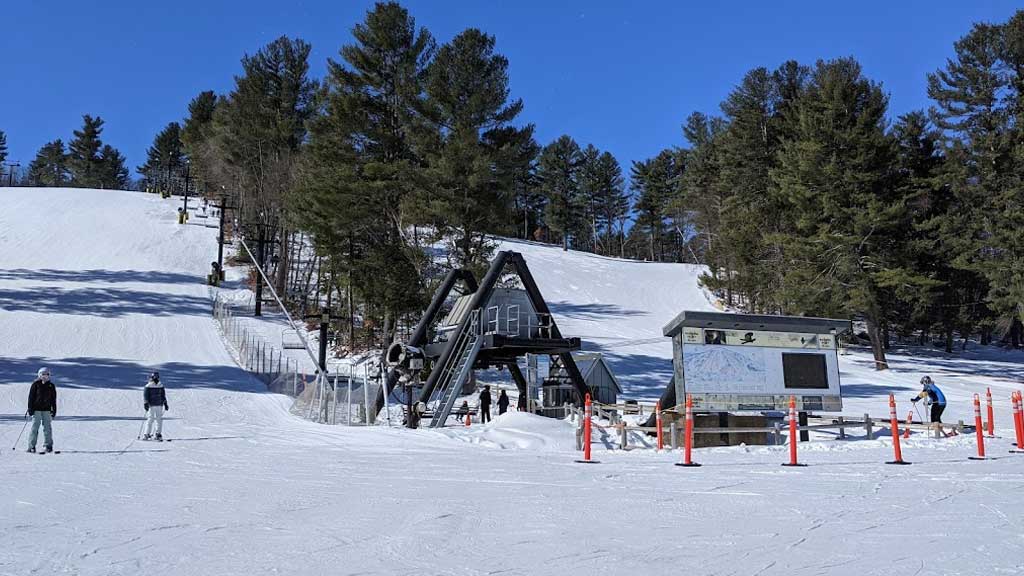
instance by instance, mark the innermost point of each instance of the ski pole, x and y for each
(20, 433)
(141, 426)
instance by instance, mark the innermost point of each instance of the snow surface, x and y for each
(103, 286)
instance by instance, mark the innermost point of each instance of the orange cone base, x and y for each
(690, 465)
(587, 462)
(900, 462)
(977, 458)
(796, 465)
(1016, 451)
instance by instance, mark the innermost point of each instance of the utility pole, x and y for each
(188, 165)
(325, 323)
(259, 277)
(220, 238)
(10, 173)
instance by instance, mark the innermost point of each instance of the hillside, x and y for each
(103, 287)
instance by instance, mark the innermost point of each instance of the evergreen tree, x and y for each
(979, 108)
(258, 132)
(606, 203)
(360, 168)
(558, 173)
(835, 176)
(473, 152)
(655, 182)
(164, 158)
(50, 166)
(196, 137)
(84, 160)
(3, 147)
(113, 172)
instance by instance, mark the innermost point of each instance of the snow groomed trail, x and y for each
(103, 287)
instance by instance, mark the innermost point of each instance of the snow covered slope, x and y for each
(103, 287)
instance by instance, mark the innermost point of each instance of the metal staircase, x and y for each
(457, 369)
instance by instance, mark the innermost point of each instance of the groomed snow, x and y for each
(103, 287)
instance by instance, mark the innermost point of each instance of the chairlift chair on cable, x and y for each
(291, 340)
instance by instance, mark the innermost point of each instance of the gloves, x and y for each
(31, 413)
(914, 399)
(53, 414)
(166, 407)
(146, 406)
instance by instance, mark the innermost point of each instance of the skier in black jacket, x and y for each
(42, 407)
(155, 402)
(485, 405)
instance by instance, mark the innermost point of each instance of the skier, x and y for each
(485, 405)
(502, 403)
(42, 407)
(934, 397)
(155, 402)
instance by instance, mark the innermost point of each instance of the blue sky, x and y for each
(620, 75)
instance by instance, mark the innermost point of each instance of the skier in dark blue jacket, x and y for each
(155, 402)
(934, 397)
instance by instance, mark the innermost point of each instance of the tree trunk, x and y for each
(877, 348)
(949, 340)
(886, 338)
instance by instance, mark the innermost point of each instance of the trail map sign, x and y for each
(736, 362)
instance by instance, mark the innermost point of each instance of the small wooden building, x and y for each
(597, 374)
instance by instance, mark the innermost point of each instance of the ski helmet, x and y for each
(926, 381)
(155, 376)
(43, 372)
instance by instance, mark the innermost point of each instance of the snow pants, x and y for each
(41, 417)
(485, 413)
(155, 415)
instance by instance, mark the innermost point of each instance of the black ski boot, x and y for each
(49, 449)
(159, 437)
(31, 450)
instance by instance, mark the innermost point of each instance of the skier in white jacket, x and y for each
(155, 403)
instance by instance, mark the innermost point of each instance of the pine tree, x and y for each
(84, 161)
(473, 152)
(836, 177)
(979, 108)
(360, 168)
(655, 182)
(606, 203)
(558, 173)
(196, 137)
(164, 158)
(113, 172)
(3, 147)
(50, 166)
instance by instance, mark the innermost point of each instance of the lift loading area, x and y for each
(471, 326)
(740, 371)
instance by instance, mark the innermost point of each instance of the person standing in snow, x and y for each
(934, 397)
(485, 405)
(502, 403)
(42, 407)
(155, 402)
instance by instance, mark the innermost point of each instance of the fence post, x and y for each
(623, 436)
(673, 435)
(348, 418)
(867, 426)
(295, 384)
(778, 433)
(842, 429)
(334, 409)
(366, 393)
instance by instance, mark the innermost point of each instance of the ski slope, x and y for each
(103, 287)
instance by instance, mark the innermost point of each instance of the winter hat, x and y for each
(43, 370)
(155, 376)
(926, 380)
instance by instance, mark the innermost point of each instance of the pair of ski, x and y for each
(155, 440)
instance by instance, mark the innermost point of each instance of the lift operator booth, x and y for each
(743, 362)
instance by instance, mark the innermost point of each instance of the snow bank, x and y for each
(519, 431)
